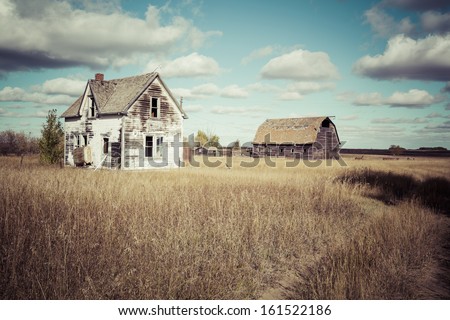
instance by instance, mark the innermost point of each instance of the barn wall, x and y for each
(324, 147)
(327, 142)
(139, 123)
(280, 150)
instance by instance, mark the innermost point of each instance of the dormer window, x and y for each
(92, 108)
(154, 107)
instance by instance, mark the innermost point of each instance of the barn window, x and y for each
(154, 111)
(149, 146)
(326, 123)
(105, 145)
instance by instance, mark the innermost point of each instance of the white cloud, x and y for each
(400, 120)
(349, 117)
(193, 65)
(257, 54)
(192, 108)
(234, 91)
(438, 128)
(369, 99)
(206, 89)
(239, 110)
(384, 25)
(209, 89)
(406, 58)
(19, 94)
(310, 87)
(55, 34)
(263, 87)
(289, 95)
(433, 21)
(300, 65)
(413, 99)
(12, 94)
(66, 86)
(437, 115)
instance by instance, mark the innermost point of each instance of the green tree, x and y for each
(201, 137)
(207, 139)
(396, 150)
(51, 144)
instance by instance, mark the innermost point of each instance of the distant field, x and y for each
(373, 229)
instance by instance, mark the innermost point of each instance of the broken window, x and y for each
(105, 145)
(159, 147)
(92, 108)
(154, 108)
(149, 146)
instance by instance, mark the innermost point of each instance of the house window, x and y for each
(149, 146)
(105, 145)
(159, 147)
(85, 139)
(157, 151)
(92, 108)
(154, 108)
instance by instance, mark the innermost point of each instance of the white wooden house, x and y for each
(128, 123)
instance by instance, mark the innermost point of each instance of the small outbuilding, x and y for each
(309, 138)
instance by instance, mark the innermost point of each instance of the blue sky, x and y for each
(381, 68)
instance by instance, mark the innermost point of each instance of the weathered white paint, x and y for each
(126, 132)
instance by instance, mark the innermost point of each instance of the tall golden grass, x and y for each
(204, 233)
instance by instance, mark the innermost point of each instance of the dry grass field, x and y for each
(371, 230)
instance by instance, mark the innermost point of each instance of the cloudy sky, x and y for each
(381, 68)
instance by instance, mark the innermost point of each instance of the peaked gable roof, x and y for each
(117, 95)
(290, 130)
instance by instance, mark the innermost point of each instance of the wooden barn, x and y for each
(127, 123)
(308, 138)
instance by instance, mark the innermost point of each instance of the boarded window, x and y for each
(155, 108)
(149, 146)
(105, 145)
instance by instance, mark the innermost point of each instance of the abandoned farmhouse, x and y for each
(136, 123)
(128, 123)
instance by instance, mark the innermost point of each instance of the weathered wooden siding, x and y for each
(324, 147)
(95, 129)
(132, 129)
(139, 123)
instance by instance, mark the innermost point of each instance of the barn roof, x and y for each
(289, 130)
(117, 95)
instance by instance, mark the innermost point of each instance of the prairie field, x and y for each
(372, 229)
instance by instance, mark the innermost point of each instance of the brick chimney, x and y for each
(99, 76)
